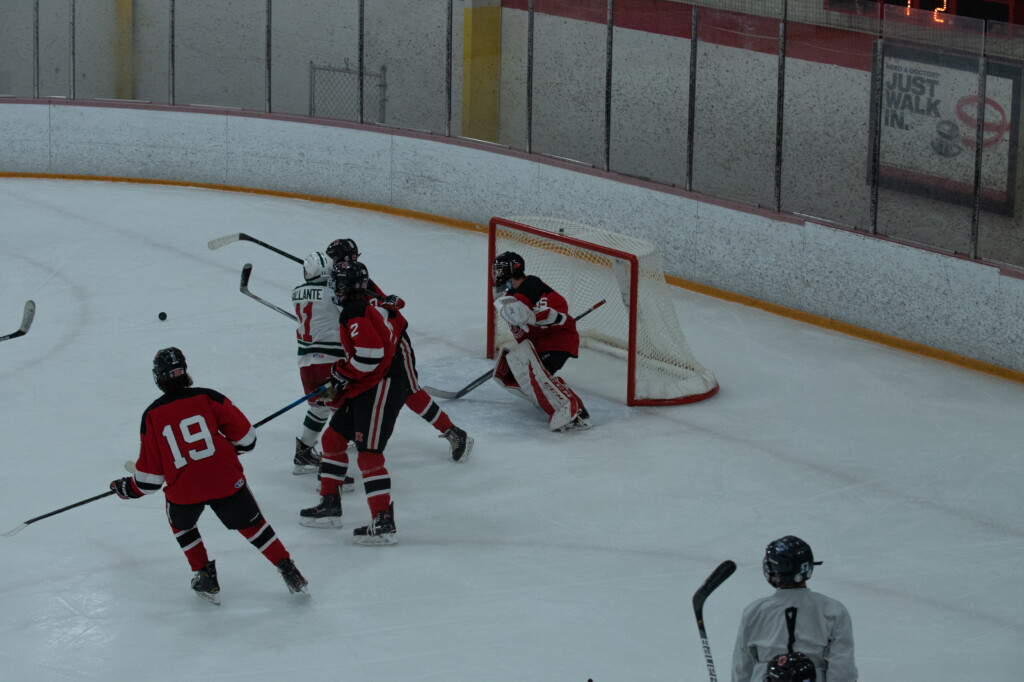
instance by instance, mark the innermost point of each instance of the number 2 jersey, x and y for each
(190, 444)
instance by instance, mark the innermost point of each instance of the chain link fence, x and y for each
(336, 92)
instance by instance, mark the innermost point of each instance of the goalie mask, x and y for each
(169, 366)
(506, 266)
(792, 667)
(788, 561)
(317, 267)
(343, 250)
(347, 278)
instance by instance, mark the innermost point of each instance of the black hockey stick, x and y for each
(130, 465)
(244, 288)
(717, 577)
(26, 321)
(241, 236)
(482, 379)
(25, 525)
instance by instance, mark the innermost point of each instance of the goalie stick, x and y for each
(214, 244)
(482, 379)
(244, 288)
(26, 321)
(717, 577)
(130, 465)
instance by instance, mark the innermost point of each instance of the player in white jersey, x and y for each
(319, 340)
(823, 631)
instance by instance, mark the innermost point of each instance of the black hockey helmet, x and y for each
(788, 561)
(342, 250)
(348, 277)
(791, 667)
(506, 266)
(169, 364)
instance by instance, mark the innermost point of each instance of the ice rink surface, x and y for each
(545, 556)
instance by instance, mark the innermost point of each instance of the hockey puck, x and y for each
(162, 316)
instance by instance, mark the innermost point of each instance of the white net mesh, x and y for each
(665, 369)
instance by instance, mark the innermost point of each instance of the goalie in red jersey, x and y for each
(546, 338)
(191, 438)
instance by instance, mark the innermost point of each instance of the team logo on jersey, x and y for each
(239, 483)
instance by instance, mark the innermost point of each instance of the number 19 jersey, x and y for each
(189, 440)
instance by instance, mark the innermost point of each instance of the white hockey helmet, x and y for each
(317, 267)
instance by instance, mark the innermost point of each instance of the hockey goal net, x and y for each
(637, 323)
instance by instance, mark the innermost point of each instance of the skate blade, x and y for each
(300, 593)
(299, 469)
(374, 540)
(328, 522)
(212, 598)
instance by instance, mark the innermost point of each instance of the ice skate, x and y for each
(326, 514)
(204, 582)
(292, 578)
(461, 443)
(307, 459)
(381, 530)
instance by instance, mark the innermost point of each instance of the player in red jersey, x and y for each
(191, 438)
(419, 401)
(546, 337)
(369, 388)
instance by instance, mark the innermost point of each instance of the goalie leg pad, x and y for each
(503, 376)
(551, 394)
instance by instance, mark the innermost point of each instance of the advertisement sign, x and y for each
(929, 125)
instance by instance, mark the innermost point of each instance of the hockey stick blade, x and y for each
(244, 288)
(242, 236)
(214, 244)
(15, 531)
(26, 321)
(482, 379)
(717, 577)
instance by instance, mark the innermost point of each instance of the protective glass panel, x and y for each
(405, 41)
(826, 140)
(315, 58)
(1000, 233)
(220, 53)
(930, 76)
(476, 69)
(151, 47)
(54, 48)
(16, 46)
(650, 89)
(513, 97)
(569, 80)
(102, 51)
(735, 104)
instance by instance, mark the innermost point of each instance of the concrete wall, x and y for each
(953, 304)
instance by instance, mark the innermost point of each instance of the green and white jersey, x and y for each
(318, 333)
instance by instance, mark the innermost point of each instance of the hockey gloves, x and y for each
(126, 488)
(334, 386)
(392, 302)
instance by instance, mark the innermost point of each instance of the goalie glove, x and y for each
(515, 312)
